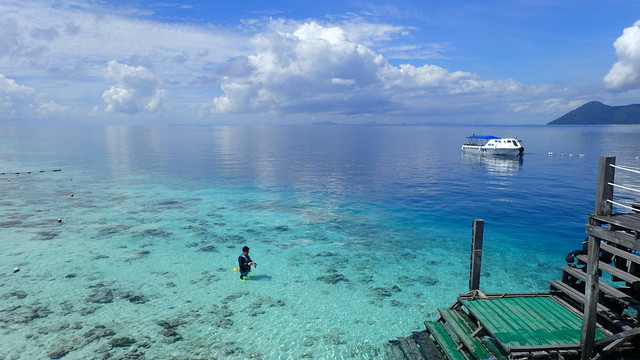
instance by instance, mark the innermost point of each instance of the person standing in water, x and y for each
(245, 263)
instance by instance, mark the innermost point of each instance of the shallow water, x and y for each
(360, 233)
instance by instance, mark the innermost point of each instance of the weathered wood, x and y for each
(442, 337)
(476, 254)
(603, 311)
(591, 299)
(621, 238)
(410, 349)
(605, 288)
(426, 346)
(462, 331)
(615, 341)
(622, 221)
(624, 335)
(613, 271)
(620, 253)
(393, 350)
(604, 191)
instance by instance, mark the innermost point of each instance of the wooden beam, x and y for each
(604, 287)
(604, 191)
(476, 254)
(613, 271)
(620, 253)
(591, 300)
(622, 238)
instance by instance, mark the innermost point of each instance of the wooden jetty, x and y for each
(593, 312)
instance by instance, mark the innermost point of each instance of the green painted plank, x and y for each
(443, 338)
(493, 349)
(528, 321)
(460, 328)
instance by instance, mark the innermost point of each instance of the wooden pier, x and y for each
(593, 312)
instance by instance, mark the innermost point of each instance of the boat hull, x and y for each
(492, 149)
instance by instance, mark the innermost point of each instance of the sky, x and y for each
(147, 62)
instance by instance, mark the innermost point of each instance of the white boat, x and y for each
(492, 145)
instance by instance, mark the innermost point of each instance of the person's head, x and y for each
(245, 250)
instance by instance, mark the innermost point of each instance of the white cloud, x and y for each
(14, 97)
(65, 33)
(259, 67)
(625, 74)
(316, 68)
(136, 89)
(21, 101)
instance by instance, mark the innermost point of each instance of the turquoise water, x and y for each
(360, 234)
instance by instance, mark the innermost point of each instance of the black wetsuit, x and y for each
(243, 264)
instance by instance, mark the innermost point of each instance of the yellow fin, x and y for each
(235, 269)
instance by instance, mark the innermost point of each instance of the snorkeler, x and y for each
(245, 263)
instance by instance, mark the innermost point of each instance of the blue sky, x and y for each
(301, 62)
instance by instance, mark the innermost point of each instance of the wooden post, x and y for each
(476, 254)
(591, 300)
(604, 191)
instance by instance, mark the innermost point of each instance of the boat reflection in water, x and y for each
(498, 164)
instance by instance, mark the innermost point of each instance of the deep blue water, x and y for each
(384, 213)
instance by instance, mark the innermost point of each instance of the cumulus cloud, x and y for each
(278, 66)
(13, 96)
(317, 68)
(20, 101)
(136, 89)
(625, 74)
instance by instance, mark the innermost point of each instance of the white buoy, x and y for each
(550, 153)
(71, 195)
(15, 270)
(59, 220)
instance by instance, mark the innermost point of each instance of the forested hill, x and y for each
(595, 112)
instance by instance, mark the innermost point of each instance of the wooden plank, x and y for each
(427, 347)
(476, 254)
(460, 329)
(442, 337)
(622, 238)
(603, 311)
(410, 349)
(493, 349)
(627, 221)
(591, 289)
(620, 253)
(393, 351)
(605, 288)
(624, 335)
(615, 341)
(604, 191)
(614, 271)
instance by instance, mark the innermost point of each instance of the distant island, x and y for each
(595, 112)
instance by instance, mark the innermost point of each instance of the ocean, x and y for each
(126, 238)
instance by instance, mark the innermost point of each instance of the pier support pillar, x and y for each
(476, 254)
(591, 300)
(603, 206)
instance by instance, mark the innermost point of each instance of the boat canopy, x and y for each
(484, 137)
